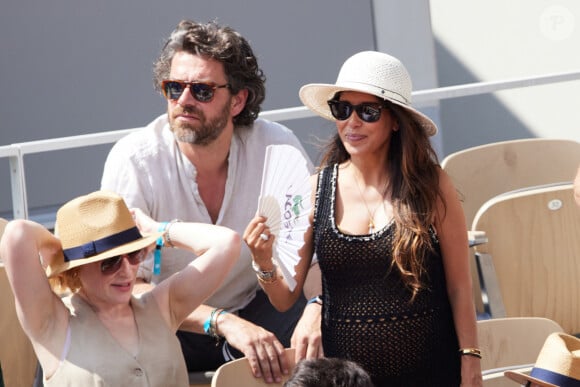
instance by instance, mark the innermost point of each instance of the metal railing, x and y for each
(16, 152)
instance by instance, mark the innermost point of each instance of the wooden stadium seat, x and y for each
(533, 247)
(511, 343)
(482, 172)
(17, 357)
(237, 373)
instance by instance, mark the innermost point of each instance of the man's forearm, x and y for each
(196, 319)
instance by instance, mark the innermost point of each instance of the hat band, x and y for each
(92, 248)
(554, 378)
(381, 92)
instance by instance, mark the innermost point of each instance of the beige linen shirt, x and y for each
(147, 168)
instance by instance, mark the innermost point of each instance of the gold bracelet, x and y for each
(475, 352)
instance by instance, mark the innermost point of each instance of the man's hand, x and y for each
(307, 337)
(263, 350)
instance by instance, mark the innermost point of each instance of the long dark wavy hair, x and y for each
(224, 45)
(413, 167)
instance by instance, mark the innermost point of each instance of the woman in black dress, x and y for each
(389, 234)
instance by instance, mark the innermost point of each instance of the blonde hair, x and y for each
(66, 282)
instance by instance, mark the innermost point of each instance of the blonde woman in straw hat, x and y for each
(389, 233)
(558, 364)
(101, 334)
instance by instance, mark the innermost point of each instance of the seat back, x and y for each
(17, 358)
(533, 242)
(482, 172)
(238, 373)
(511, 343)
(485, 171)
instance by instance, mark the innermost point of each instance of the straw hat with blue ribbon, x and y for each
(94, 227)
(558, 364)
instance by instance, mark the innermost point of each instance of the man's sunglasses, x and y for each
(367, 111)
(111, 265)
(202, 92)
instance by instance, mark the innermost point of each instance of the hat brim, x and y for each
(523, 379)
(145, 241)
(316, 95)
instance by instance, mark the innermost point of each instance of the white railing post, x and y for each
(18, 180)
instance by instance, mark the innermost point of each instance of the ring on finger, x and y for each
(264, 237)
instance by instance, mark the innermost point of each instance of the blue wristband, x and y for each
(210, 325)
(157, 252)
(206, 326)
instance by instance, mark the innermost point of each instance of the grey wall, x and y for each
(69, 68)
(403, 29)
(495, 40)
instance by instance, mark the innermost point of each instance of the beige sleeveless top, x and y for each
(95, 358)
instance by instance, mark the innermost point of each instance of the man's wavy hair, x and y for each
(224, 45)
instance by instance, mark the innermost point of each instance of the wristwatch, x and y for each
(267, 277)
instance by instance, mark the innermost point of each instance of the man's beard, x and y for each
(208, 130)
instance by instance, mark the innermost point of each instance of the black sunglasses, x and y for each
(367, 111)
(202, 92)
(111, 265)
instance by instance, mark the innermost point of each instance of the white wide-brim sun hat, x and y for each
(370, 72)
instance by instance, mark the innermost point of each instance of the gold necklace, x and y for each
(371, 214)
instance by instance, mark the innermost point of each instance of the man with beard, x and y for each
(202, 161)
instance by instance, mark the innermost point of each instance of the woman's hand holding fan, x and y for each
(285, 202)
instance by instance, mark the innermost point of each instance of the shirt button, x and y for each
(138, 372)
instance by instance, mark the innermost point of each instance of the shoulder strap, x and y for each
(322, 199)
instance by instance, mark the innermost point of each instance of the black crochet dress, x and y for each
(367, 314)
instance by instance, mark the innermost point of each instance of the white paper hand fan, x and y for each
(285, 201)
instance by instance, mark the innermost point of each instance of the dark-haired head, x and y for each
(328, 372)
(225, 45)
